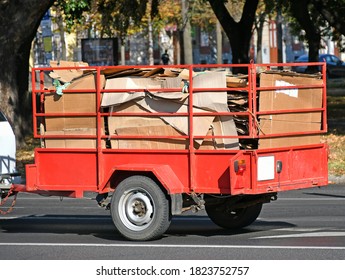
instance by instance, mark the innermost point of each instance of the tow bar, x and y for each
(7, 190)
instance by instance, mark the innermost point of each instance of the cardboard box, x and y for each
(73, 102)
(284, 99)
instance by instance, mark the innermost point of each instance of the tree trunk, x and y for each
(259, 31)
(187, 39)
(239, 33)
(279, 27)
(299, 9)
(19, 21)
(123, 53)
(60, 23)
(333, 12)
(177, 47)
(219, 43)
(150, 41)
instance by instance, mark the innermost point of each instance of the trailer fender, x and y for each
(163, 173)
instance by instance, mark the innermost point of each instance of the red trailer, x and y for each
(154, 142)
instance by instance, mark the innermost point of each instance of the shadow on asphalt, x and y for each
(326, 194)
(102, 226)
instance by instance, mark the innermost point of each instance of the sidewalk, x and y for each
(336, 179)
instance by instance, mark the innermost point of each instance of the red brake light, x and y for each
(240, 166)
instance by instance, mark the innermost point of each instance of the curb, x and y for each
(336, 179)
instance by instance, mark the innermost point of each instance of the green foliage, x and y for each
(125, 16)
(314, 16)
(73, 11)
(202, 15)
(332, 12)
(109, 17)
(326, 27)
(122, 15)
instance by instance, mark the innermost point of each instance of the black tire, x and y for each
(139, 209)
(233, 219)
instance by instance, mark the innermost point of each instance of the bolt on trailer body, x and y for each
(153, 142)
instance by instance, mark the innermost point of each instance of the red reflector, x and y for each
(240, 166)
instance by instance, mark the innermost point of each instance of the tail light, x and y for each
(240, 166)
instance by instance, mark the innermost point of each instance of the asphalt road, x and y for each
(307, 224)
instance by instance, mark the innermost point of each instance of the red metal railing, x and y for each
(252, 112)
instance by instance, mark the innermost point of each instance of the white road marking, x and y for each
(201, 246)
(311, 199)
(297, 229)
(48, 217)
(308, 234)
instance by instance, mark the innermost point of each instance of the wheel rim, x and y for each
(136, 209)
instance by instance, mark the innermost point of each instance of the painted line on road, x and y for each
(311, 199)
(301, 229)
(55, 218)
(172, 246)
(307, 234)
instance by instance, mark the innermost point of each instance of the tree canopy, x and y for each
(317, 19)
(20, 19)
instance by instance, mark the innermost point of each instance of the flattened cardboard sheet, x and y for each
(72, 143)
(175, 102)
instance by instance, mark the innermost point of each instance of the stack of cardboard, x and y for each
(238, 102)
(154, 96)
(71, 102)
(146, 95)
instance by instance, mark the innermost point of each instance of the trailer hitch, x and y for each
(7, 190)
(103, 200)
(4, 195)
(200, 202)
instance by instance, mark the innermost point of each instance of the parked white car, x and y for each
(7, 153)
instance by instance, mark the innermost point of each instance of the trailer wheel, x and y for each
(233, 219)
(140, 209)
